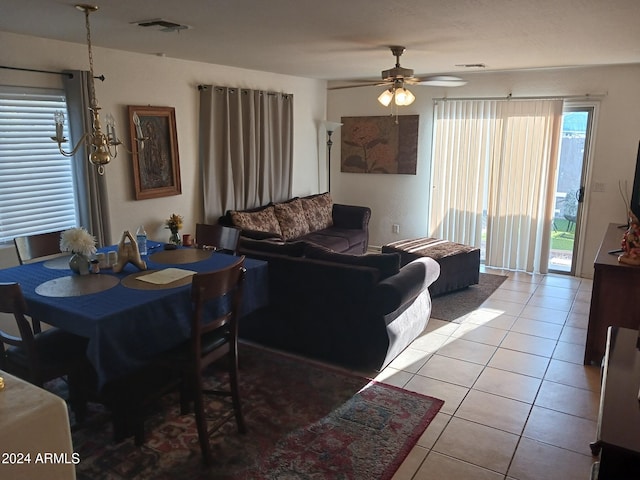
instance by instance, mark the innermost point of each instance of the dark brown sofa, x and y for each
(358, 311)
(314, 218)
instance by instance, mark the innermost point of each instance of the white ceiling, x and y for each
(349, 39)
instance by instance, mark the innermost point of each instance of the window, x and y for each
(36, 182)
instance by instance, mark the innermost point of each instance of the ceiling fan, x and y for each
(397, 77)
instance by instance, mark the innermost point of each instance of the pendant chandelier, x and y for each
(102, 146)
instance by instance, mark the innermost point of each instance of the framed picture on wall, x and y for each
(156, 166)
(380, 144)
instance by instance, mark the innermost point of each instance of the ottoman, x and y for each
(459, 264)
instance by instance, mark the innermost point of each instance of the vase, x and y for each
(175, 238)
(79, 264)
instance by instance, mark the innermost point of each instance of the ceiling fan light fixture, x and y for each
(404, 97)
(386, 97)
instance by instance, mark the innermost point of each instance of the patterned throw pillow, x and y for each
(261, 221)
(318, 209)
(293, 222)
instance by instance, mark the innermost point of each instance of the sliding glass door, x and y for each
(572, 166)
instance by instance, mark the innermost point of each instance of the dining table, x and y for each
(127, 318)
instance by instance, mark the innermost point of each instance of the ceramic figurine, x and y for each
(631, 243)
(128, 253)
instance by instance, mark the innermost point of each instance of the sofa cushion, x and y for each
(387, 264)
(263, 220)
(318, 210)
(290, 249)
(292, 220)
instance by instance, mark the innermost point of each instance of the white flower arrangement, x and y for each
(78, 240)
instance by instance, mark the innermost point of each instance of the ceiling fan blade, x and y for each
(440, 81)
(376, 84)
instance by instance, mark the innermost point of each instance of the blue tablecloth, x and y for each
(127, 326)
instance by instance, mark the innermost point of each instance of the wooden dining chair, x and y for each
(43, 356)
(32, 247)
(217, 236)
(213, 338)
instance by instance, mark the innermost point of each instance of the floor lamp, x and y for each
(330, 127)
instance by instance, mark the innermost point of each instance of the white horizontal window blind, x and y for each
(36, 181)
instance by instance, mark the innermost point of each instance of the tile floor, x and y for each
(519, 404)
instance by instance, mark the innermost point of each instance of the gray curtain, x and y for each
(246, 148)
(91, 191)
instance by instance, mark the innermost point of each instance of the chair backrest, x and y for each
(225, 286)
(12, 301)
(217, 236)
(31, 247)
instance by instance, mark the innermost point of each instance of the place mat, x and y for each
(166, 276)
(180, 255)
(58, 263)
(77, 285)
(131, 281)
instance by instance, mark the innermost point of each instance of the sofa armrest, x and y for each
(351, 216)
(402, 288)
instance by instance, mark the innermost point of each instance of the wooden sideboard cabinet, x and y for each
(615, 296)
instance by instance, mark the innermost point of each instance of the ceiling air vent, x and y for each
(163, 25)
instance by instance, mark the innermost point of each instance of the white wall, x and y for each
(135, 79)
(404, 199)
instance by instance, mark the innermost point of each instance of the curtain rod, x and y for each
(586, 96)
(70, 75)
(206, 87)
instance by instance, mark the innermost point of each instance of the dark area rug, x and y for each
(304, 420)
(453, 306)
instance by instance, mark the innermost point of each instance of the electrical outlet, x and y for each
(599, 187)
(395, 228)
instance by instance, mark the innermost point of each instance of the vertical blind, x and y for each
(36, 181)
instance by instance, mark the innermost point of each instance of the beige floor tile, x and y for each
(450, 393)
(508, 384)
(469, 351)
(410, 360)
(537, 328)
(526, 277)
(490, 318)
(564, 281)
(580, 376)
(430, 342)
(524, 287)
(537, 461)
(537, 308)
(391, 376)
(440, 327)
(584, 296)
(477, 444)
(560, 429)
(579, 320)
(555, 292)
(508, 308)
(574, 335)
(511, 296)
(572, 400)
(480, 334)
(569, 352)
(433, 431)
(581, 308)
(451, 370)
(410, 465)
(494, 411)
(519, 362)
(442, 467)
(529, 344)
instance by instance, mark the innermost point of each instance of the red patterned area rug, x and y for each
(305, 420)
